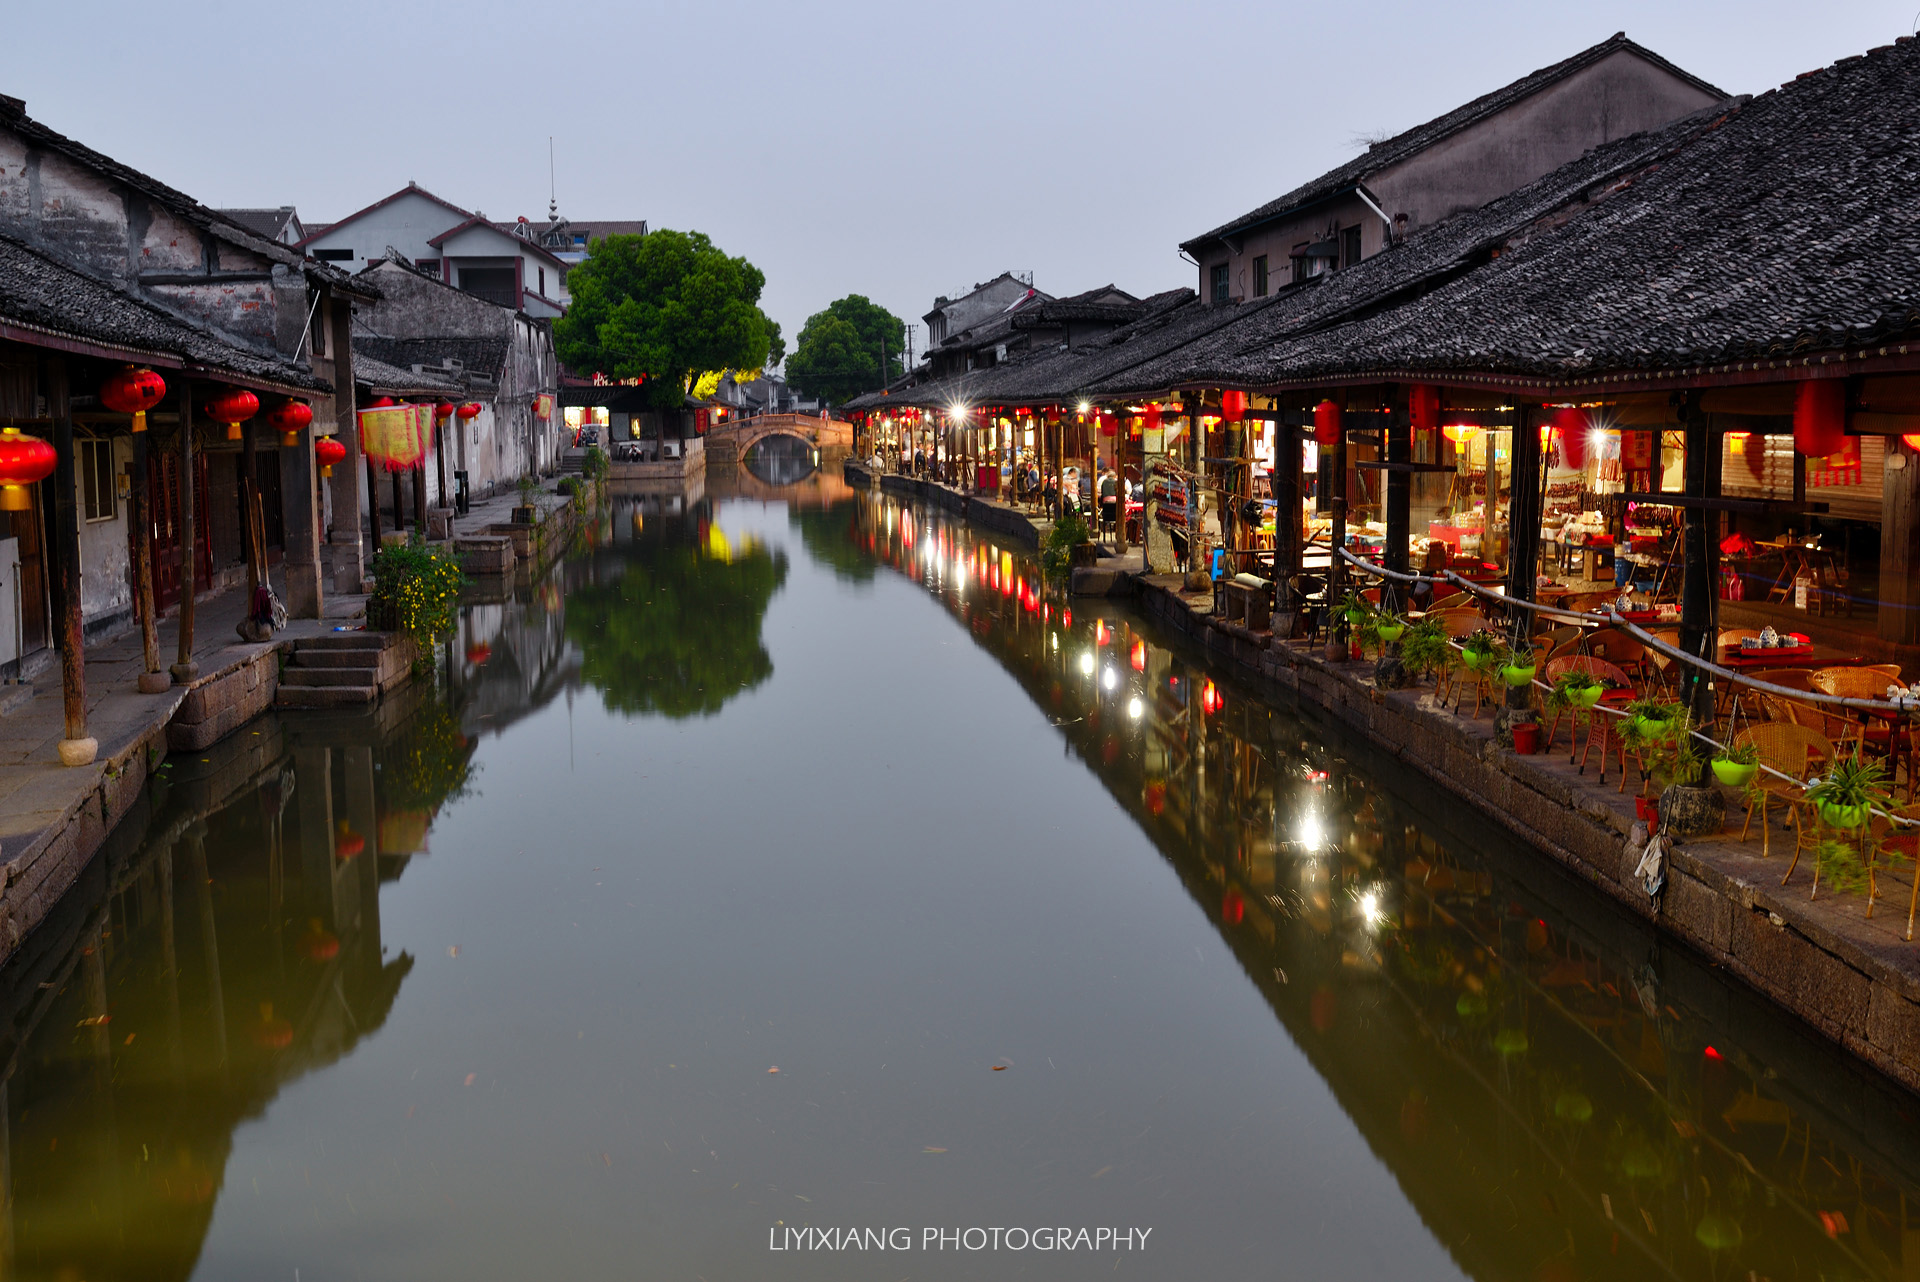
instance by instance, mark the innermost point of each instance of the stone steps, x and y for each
(312, 677)
(342, 669)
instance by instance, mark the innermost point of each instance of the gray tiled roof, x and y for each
(1393, 150)
(42, 295)
(1790, 227)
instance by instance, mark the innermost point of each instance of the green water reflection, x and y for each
(1554, 1092)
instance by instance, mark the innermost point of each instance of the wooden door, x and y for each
(35, 610)
(163, 499)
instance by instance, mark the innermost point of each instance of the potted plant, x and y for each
(1480, 651)
(1389, 628)
(1647, 718)
(1519, 666)
(1575, 691)
(1736, 766)
(525, 513)
(1846, 797)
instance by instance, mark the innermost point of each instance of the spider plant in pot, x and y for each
(1575, 691)
(1480, 651)
(1736, 766)
(1518, 669)
(1388, 628)
(1648, 717)
(1846, 797)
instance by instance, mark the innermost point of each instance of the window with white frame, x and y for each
(96, 480)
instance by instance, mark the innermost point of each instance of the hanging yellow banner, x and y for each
(395, 436)
(543, 406)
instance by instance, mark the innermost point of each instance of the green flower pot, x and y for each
(1390, 632)
(1476, 659)
(1735, 774)
(1585, 696)
(1845, 817)
(1515, 675)
(1647, 725)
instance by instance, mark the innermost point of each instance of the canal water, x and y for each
(789, 886)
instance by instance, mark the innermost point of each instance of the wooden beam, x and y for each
(1751, 507)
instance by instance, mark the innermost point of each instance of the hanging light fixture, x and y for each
(1460, 433)
(1820, 417)
(287, 418)
(1233, 405)
(1423, 406)
(233, 407)
(24, 460)
(1327, 425)
(132, 390)
(326, 452)
(1570, 425)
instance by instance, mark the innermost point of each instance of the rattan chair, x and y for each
(1878, 736)
(1791, 750)
(1903, 841)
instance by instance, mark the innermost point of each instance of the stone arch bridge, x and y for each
(730, 441)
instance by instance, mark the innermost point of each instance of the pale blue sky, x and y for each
(897, 151)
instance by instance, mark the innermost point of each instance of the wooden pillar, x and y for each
(399, 512)
(1397, 434)
(76, 748)
(1900, 544)
(373, 503)
(1337, 542)
(1523, 505)
(140, 515)
(249, 486)
(184, 668)
(1286, 509)
(1697, 635)
(343, 535)
(301, 509)
(420, 498)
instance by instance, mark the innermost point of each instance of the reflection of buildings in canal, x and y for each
(788, 482)
(222, 945)
(1558, 1094)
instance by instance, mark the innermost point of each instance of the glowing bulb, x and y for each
(1086, 664)
(1109, 678)
(1084, 407)
(1310, 834)
(1370, 908)
(1135, 707)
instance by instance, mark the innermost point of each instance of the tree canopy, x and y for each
(839, 352)
(666, 306)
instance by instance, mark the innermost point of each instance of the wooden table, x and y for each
(1799, 656)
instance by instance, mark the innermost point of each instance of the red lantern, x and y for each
(233, 407)
(133, 391)
(469, 411)
(1570, 425)
(1423, 407)
(1109, 423)
(1150, 421)
(378, 403)
(1233, 406)
(1327, 428)
(1820, 417)
(287, 418)
(1912, 440)
(326, 452)
(442, 412)
(24, 460)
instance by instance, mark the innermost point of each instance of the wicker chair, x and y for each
(1878, 736)
(1791, 750)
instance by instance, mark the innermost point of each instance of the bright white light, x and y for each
(1086, 664)
(1370, 911)
(1109, 678)
(1084, 407)
(1597, 439)
(958, 411)
(1310, 834)
(1054, 639)
(1135, 707)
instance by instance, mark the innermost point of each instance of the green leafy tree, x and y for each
(678, 633)
(854, 345)
(666, 306)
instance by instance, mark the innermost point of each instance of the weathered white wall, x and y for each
(105, 587)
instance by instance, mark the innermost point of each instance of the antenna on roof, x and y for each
(553, 191)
